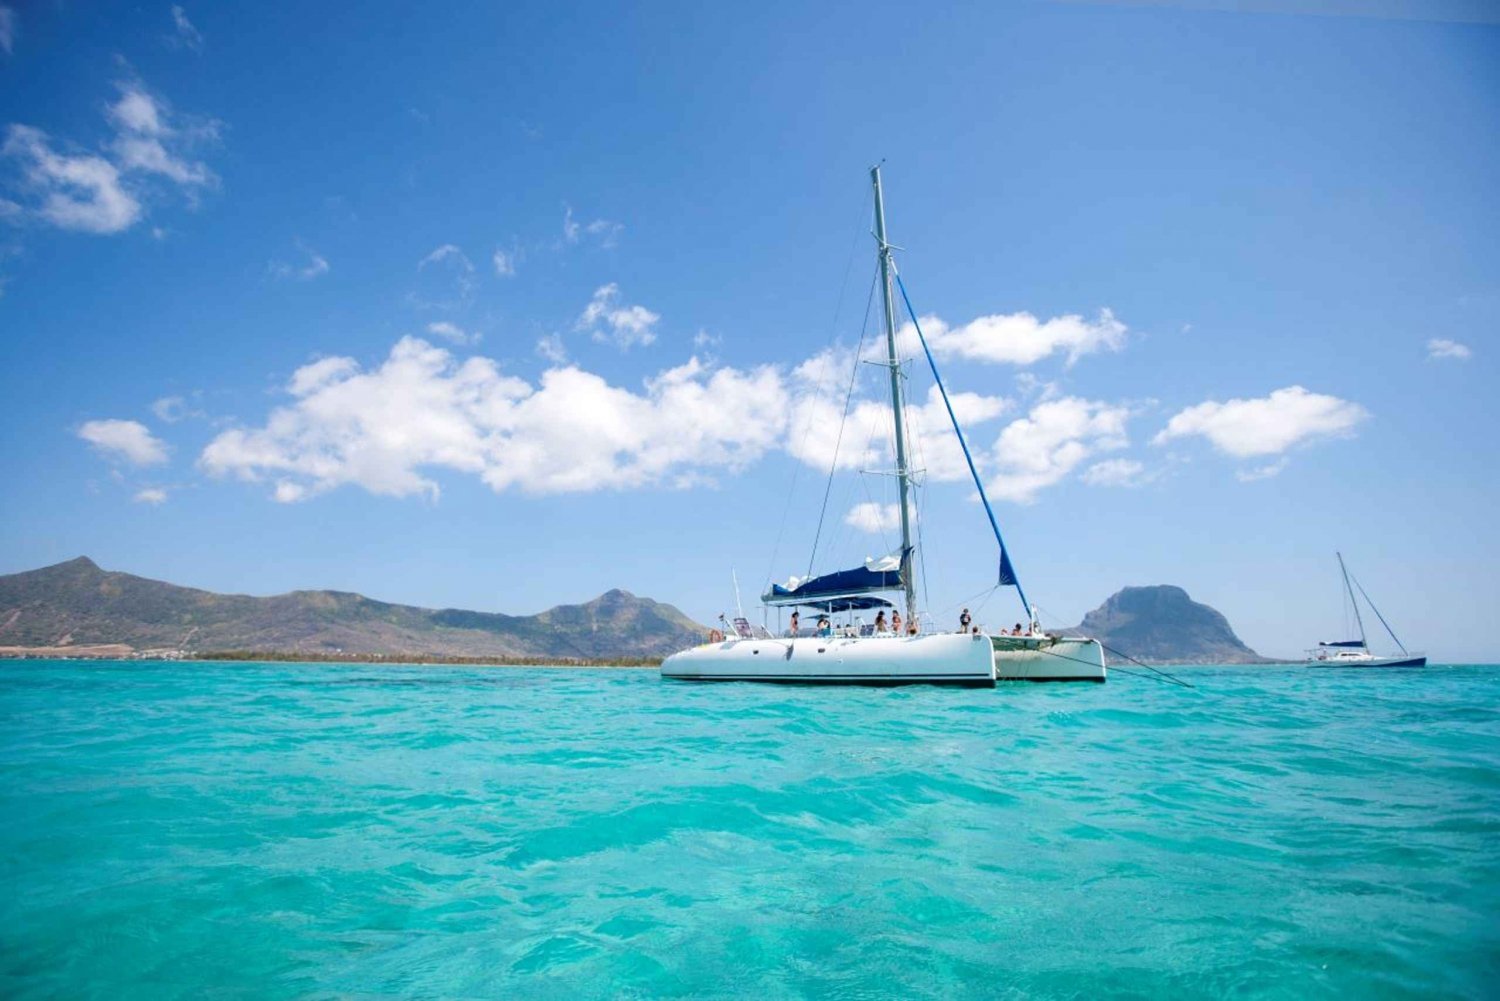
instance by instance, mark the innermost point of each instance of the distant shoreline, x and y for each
(113, 651)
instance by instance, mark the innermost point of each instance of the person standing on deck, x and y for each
(963, 621)
(896, 622)
(796, 620)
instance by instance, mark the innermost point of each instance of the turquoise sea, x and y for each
(346, 831)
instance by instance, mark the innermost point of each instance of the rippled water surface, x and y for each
(181, 830)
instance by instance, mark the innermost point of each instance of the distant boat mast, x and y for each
(903, 467)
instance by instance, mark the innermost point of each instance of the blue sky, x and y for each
(500, 308)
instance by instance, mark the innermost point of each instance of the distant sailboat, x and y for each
(1356, 653)
(858, 653)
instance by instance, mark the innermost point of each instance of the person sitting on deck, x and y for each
(911, 630)
(880, 621)
(963, 621)
(825, 628)
(796, 621)
(896, 622)
(1017, 630)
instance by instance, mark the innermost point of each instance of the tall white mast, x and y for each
(903, 467)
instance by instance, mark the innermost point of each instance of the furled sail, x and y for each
(882, 573)
(1349, 643)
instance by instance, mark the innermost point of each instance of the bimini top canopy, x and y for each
(857, 603)
(843, 589)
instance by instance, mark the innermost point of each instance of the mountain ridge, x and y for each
(77, 603)
(1161, 624)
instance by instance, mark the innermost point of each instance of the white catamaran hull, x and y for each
(934, 659)
(1048, 658)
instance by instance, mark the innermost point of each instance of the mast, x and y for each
(1354, 602)
(903, 468)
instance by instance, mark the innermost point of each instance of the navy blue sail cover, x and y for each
(841, 583)
(1355, 643)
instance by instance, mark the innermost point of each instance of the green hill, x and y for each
(76, 603)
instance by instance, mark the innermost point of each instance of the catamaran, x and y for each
(857, 653)
(1356, 653)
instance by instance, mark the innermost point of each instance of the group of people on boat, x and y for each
(891, 627)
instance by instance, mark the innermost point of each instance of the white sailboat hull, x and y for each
(933, 659)
(1048, 658)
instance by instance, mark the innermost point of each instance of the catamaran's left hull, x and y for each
(934, 659)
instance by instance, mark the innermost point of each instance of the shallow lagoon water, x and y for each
(247, 830)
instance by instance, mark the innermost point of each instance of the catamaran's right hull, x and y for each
(1048, 658)
(1372, 662)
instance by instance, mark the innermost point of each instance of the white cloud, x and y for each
(7, 29)
(143, 136)
(423, 410)
(128, 440)
(611, 322)
(505, 263)
(1267, 425)
(1116, 473)
(81, 192)
(605, 232)
(1265, 472)
(1043, 447)
(703, 339)
(1442, 347)
(1018, 338)
(449, 281)
(453, 333)
(172, 409)
(186, 35)
(98, 194)
(551, 348)
(151, 495)
(874, 518)
(315, 266)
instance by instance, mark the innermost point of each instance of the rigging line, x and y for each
(978, 483)
(838, 310)
(848, 396)
(1164, 676)
(1377, 612)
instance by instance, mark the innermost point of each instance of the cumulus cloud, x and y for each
(874, 518)
(611, 322)
(505, 263)
(91, 193)
(422, 410)
(79, 192)
(1052, 440)
(1266, 425)
(145, 142)
(130, 441)
(151, 495)
(1441, 347)
(1018, 338)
